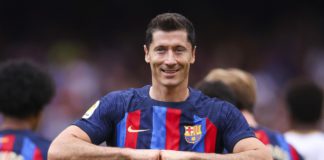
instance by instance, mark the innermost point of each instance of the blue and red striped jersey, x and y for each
(130, 118)
(280, 148)
(22, 144)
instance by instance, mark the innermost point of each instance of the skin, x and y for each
(170, 56)
(74, 143)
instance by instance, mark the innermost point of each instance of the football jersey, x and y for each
(22, 145)
(280, 148)
(309, 144)
(130, 118)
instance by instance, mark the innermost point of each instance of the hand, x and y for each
(142, 154)
(177, 155)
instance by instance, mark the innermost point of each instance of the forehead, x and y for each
(170, 38)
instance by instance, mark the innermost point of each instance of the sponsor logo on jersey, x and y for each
(91, 110)
(131, 130)
(192, 133)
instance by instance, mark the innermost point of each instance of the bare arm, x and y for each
(245, 149)
(74, 143)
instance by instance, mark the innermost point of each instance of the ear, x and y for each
(193, 56)
(147, 55)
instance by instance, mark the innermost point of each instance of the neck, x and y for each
(249, 118)
(169, 94)
(18, 124)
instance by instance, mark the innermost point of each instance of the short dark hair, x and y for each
(170, 22)
(24, 89)
(217, 89)
(304, 101)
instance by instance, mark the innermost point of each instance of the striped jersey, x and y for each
(278, 145)
(130, 118)
(22, 145)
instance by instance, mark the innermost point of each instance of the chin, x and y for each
(169, 83)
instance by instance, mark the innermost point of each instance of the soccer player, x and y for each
(24, 91)
(241, 91)
(165, 120)
(304, 101)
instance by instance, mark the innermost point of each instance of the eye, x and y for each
(180, 49)
(160, 49)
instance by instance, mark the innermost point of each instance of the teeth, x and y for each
(169, 71)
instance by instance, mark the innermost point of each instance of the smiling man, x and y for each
(165, 120)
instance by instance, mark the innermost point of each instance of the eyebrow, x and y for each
(175, 46)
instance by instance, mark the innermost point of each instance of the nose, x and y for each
(170, 59)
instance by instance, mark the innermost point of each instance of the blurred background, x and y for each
(94, 47)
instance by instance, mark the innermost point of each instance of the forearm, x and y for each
(73, 143)
(246, 155)
(74, 148)
(257, 154)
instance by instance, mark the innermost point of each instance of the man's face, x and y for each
(170, 55)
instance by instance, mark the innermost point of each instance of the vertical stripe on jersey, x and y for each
(132, 124)
(158, 127)
(38, 154)
(293, 153)
(172, 129)
(262, 136)
(283, 144)
(207, 142)
(199, 145)
(28, 149)
(210, 139)
(121, 132)
(7, 143)
(144, 137)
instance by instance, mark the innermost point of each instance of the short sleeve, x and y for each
(235, 126)
(98, 121)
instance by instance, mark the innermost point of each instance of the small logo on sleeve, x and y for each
(91, 110)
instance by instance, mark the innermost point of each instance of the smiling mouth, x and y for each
(169, 71)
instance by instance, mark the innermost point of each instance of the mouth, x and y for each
(169, 73)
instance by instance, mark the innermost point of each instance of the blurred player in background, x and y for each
(165, 119)
(24, 91)
(239, 88)
(305, 104)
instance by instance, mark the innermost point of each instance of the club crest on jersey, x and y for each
(192, 133)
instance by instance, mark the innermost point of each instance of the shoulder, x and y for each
(124, 96)
(267, 135)
(266, 130)
(210, 105)
(197, 98)
(36, 138)
(41, 141)
(31, 137)
(25, 134)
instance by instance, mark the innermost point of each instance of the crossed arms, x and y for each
(74, 143)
